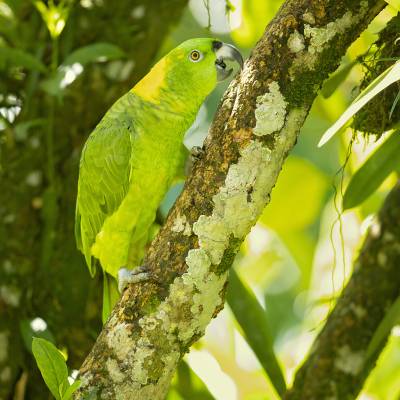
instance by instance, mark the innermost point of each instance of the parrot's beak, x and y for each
(225, 51)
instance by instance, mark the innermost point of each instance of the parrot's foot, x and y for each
(127, 276)
(196, 152)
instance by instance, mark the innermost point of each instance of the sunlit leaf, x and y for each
(173, 395)
(391, 319)
(52, 366)
(252, 319)
(394, 3)
(255, 16)
(302, 187)
(10, 57)
(389, 76)
(336, 79)
(189, 385)
(384, 380)
(373, 172)
(54, 16)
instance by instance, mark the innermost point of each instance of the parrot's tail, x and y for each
(110, 295)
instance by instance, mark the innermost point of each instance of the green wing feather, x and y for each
(103, 179)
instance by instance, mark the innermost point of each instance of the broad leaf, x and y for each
(10, 57)
(252, 319)
(336, 79)
(395, 4)
(189, 385)
(52, 366)
(389, 76)
(384, 160)
(290, 190)
(93, 53)
(74, 64)
(391, 319)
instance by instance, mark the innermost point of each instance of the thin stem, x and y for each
(52, 111)
(50, 195)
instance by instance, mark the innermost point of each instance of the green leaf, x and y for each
(396, 100)
(10, 57)
(389, 76)
(395, 4)
(252, 319)
(28, 333)
(336, 79)
(71, 389)
(189, 385)
(373, 172)
(94, 53)
(52, 366)
(297, 180)
(391, 319)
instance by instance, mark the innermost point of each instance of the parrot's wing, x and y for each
(103, 181)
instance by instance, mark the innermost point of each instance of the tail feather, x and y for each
(110, 295)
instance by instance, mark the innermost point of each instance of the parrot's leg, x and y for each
(196, 153)
(127, 276)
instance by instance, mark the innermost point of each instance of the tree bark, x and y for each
(41, 272)
(338, 364)
(255, 127)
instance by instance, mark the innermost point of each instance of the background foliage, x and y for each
(62, 64)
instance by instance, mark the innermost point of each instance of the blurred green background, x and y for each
(295, 260)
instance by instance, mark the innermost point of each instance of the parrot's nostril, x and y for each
(220, 63)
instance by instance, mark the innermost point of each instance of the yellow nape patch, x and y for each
(149, 87)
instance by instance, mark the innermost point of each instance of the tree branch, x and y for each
(255, 127)
(337, 366)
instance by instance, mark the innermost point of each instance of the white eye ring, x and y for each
(195, 56)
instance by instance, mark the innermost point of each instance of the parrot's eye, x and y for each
(195, 56)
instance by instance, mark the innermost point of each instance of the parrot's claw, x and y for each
(128, 276)
(196, 152)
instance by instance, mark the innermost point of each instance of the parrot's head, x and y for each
(202, 61)
(189, 72)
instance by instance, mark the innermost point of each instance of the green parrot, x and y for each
(132, 156)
